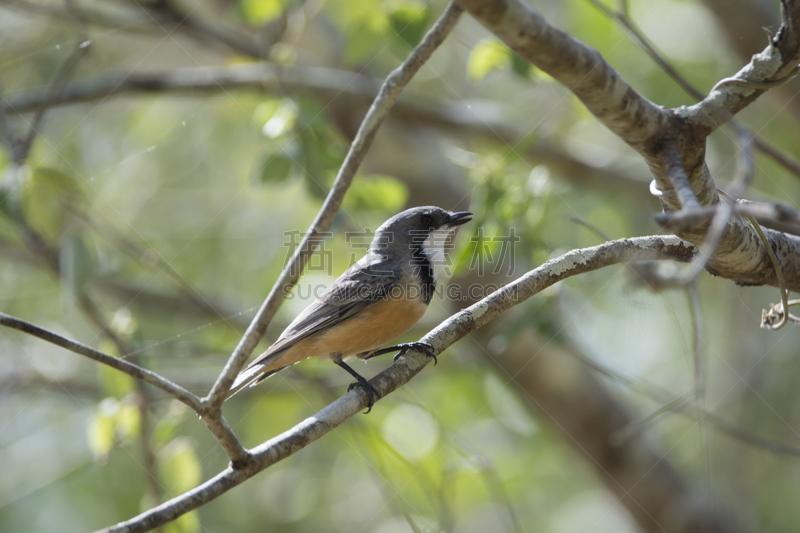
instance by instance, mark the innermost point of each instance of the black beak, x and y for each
(459, 218)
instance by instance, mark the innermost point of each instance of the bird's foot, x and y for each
(372, 393)
(424, 347)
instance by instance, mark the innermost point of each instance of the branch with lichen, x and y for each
(406, 367)
(739, 254)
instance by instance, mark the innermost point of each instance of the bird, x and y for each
(377, 299)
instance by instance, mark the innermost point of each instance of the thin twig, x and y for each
(90, 16)
(766, 319)
(136, 252)
(383, 102)
(774, 215)
(697, 386)
(776, 155)
(57, 84)
(723, 213)
(645, 44)
(621, 16)
(652, 391)
(778, 60)
(158, 20)
(131, 369)
(768, 84)
(217, 424)
(143, 399)
(172, 12)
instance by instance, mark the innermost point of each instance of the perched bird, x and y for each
(375, 301)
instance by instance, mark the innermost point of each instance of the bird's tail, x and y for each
(250, 376)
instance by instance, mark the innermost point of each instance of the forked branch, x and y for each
(405, 368)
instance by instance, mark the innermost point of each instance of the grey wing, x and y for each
(362, 285)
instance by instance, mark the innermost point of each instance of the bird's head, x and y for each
(418, 234)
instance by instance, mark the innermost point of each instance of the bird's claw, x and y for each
(424, 347)
(372, 393)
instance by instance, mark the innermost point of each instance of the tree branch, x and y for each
(647, 128)
(159, 19)
(355, 89)
(773, 64)
(579, 67)
(170, 11)
(406, 367)
(123, 366)
(775, 215)
(387, 95)
(657, 57)
(678, 178)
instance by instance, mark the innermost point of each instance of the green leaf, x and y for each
(168, 424)
(520, 67)
(376, 193)
(363, 35)
(264, 111)
(114, 383)
(487, 56)
(259, 12)
(187, 523)
(76, 265)
(408, 19)
(180, 470)
(281, 120)
(179, 467)
(11, 195)
(275, 168)
(365, 25)
(46, 199)
(322, 157)
(411, 431)
(102, 428)
(128, 419)
(507, 407)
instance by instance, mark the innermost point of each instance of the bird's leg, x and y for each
(372, 394)
(424, 347)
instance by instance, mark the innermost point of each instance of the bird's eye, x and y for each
(427, 220)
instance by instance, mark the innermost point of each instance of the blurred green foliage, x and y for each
(491, 55)
(175, 213)
(258, 12)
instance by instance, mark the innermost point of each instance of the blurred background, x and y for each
(182, 152)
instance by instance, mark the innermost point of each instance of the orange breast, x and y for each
(370, 329)
(366, 331)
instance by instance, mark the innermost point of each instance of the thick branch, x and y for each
(768, 68)
(582, 69)
(647, 128)
(718, 5)
(123, 366)
(677, 176)
(451, 330)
